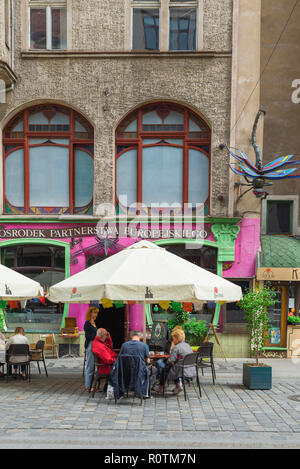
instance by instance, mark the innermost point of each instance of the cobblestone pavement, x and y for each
(227, 414)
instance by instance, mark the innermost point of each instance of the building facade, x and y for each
(279, 261)
(123, 109)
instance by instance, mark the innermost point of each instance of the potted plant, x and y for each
(195, 331)
(293, 336)
(294, 320)
(254, 305)
(3, 326)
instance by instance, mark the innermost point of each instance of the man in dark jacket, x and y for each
(131, 372)
(136, 347)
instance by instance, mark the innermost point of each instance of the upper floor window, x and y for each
(145, 28)
(182, 29)
(279, 217)
(153, 20)
(48, 24)
(48, 162)
(162, 160)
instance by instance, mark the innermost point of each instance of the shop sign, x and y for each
(53, 233)
(92, 230)
(279, 274)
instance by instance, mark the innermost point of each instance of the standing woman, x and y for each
(90, 330)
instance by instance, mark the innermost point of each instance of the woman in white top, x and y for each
(18, 338)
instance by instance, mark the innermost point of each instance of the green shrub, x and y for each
(195, 331)
(293, 320)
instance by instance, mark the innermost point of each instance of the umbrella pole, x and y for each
(144, 322)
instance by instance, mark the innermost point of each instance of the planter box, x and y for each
(257, 377)
(293, 341)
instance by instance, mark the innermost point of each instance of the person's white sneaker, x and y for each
(177, 390)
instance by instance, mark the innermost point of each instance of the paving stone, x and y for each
(60, 403)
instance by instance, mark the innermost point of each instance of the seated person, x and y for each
(161, 364)
(18, 338)
(172, 370)
(135, 347)
(2, 342)
(138, 348)
(104, 353)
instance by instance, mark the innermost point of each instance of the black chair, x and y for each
(97, 376)
(21, 353)
(37, 355)
(2, 367)
(189, 361)
(205, 351)
(130, 363)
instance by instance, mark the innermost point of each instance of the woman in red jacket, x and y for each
(106, 356)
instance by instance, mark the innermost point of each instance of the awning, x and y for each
(279, 259)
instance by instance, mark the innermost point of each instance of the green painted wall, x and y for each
(234, 345)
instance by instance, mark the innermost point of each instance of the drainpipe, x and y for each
(12, 39)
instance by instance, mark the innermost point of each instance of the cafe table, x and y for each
(70, 338)
(157, 356)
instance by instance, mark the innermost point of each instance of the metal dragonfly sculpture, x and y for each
(100, 247)
(257, 175)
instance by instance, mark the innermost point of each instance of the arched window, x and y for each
(48, 162)
(162, 159)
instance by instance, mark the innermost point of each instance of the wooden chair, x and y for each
(50, 343)
(37, 355)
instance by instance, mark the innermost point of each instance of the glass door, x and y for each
(277, 320)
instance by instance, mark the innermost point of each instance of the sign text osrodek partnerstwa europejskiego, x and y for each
(92, 230)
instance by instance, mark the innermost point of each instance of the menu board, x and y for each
(159, 334)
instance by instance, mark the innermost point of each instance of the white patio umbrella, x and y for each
(15, 286)
(144, 273)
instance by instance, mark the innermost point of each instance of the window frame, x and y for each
(289, 204)
(24, 143)
(294, 199)
(164, 7)
(146, 7)
(48, 6)
(178, 6)
(188, 144)
(235, 327)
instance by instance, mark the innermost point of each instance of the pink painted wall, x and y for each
(246, 247)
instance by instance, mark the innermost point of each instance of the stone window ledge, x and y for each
(123, 54)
